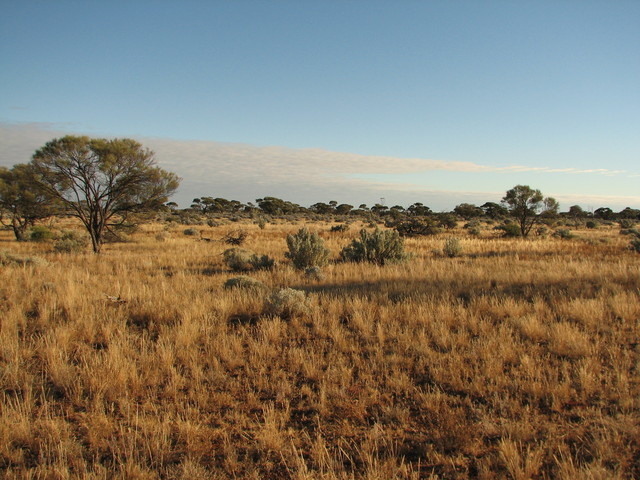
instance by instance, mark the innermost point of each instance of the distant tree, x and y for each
(277, 206)
(494, 210)
(468, 211)
(321, 208)
(525, 204)
(101, 181)
(447, 220)
(344, 209)
(604, 213)
(21, 203)
(419, 210)
(630, 213)
(550, 207)
(576, 211)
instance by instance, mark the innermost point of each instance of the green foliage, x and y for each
(415, 227)
(241, 260)
(591, 224)
(452, 247)
(71, 242)
(314, 273)
(379, 247)
(40, 233)
(307, 249)
(100, 181)
(525, 203)
(509, 230)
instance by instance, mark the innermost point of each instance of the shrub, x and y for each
(314, 273)
(8, 258)
(241, 260)
(475, 231)
(627, 223)
(235, 237)
(245, 282)
(509, 230)
(563, 233)
(635, 243)
(591, 224)
(287, 303)
(343, 227)
(71, 242)
(417, 227)
(452, 247)
(40, 233)
(162, 236)
(377, 247)
(307, 249)
(191, 232)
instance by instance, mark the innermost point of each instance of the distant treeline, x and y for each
(467, 211)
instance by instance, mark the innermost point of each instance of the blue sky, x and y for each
(440, 102)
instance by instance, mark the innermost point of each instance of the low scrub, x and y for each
(71, 241)
(307, 249)
(452, 248)
(379, 247)
(245, 282)
(287, 303)
(241, 260)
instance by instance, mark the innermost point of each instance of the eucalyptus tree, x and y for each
(101, 181)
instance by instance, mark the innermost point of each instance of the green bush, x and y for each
(343, 227)
(307, 249)
(379, 247)
(591, 224)
(509, 230)
(563, 233)
(71, 242)
(40, 233)
(241, 260)
(191, 232)
(452, 248)
(417, 227)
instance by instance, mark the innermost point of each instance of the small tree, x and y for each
(101, 181)
(525, 204)
(20, 201)
(307, 249)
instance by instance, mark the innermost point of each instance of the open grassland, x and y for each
(518, 359)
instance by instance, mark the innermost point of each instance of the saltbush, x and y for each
(509, 230)
(563, 233)
(191, 232)
(307, 249)
(287, 303)
(591, 224)
(71, 241)
(342, 227)
(241, 260)
(635, 243)
(379, 247)
(314, 273)
(452, 247)
(8, 258)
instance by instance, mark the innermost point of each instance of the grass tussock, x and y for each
(511, 359)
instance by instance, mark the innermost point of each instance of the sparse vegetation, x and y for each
(452, 247)
(519, 360)
(71, 241)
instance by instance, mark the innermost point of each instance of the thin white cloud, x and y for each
(245, 172)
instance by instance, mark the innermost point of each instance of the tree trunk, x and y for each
(19, 230)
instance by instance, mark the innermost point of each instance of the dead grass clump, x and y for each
(244, 281)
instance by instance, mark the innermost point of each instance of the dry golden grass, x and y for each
(518, 359)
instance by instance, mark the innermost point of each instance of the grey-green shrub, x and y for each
(379, 247)
(452, 247)
(244, 281)
(191, 232)
(287, 303)
(314, 273)
(71, 242)
(307, 249)
(563, 233)
(241, 260)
